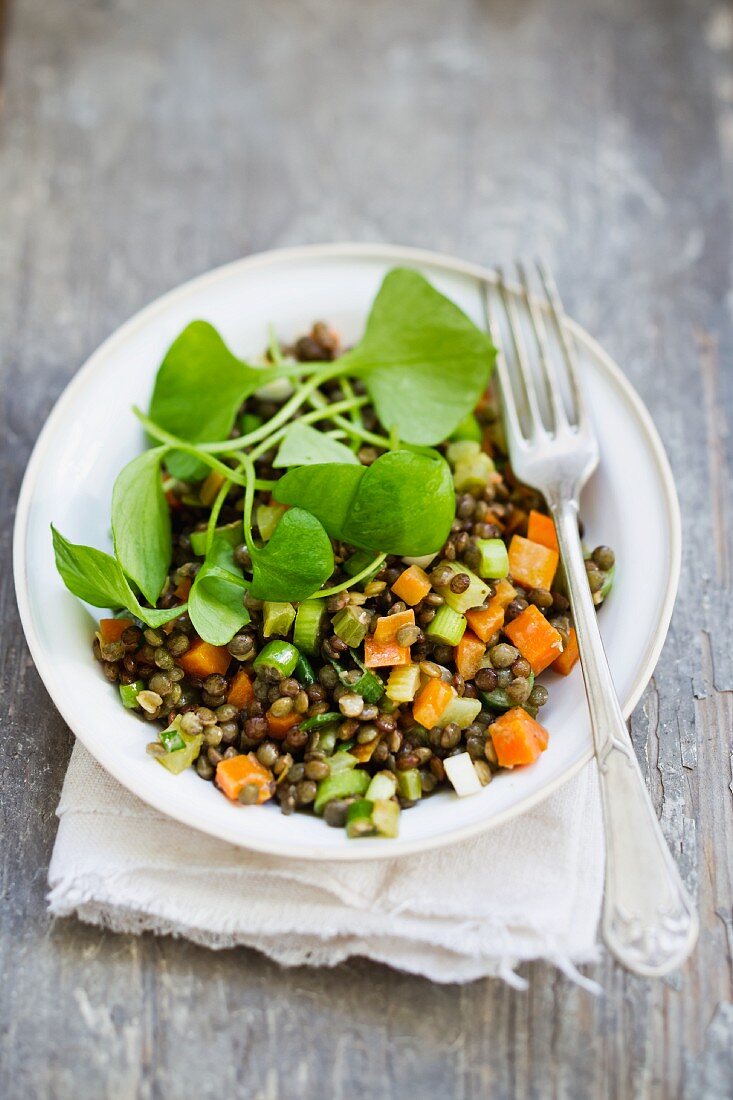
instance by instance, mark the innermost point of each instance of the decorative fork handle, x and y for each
(649, 922)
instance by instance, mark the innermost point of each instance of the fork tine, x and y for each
(568, 351)
(522, 359)
(509, 405)
(547, 364)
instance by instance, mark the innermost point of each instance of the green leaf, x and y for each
(215, 602)
(424, 362)
(296, 561)
(403, 503)
(303, 445)
(198, 390)
(141, 525)
(97, 578)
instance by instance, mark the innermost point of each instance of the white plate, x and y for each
(630, 504)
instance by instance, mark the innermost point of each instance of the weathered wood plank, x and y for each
(144, 143)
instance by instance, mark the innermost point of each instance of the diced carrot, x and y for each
(565, 663)
(111, 630)
(241, 693)
(388, 625)
(238, 771)
(432, 702)
(413, 585)
(535, 638)
(541, 529)
(280, 724)
(517, 738)
(382, 654)
(491, 517)
(469, 654)
(364, 752)
(485, 621)
(504, 593)
(210, 487)
(532, 564)
(204, 659)
(182, 589)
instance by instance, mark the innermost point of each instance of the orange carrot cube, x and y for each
(111, 630)
(565, 663)
(241, 692)
(204, 659)
(412, 586)
(469, 654)
(518, 738)
(531, 564)
(383, 654)
(234, 774)
(388, 625)
(432, 702)
(535, 638)
(541, 529)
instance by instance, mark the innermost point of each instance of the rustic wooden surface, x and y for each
(142, 143)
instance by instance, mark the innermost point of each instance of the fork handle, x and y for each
(649, 922)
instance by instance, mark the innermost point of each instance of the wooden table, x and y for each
(143, 143)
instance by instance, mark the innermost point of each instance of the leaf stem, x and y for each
(188, 448)
(352, 580)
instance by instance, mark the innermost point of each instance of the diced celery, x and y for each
(343, 783)
(319, 720)
(177, 760)
(409, 784)
(171, 739)
(267, 517)
(383, 785)
(460, 710)
(474, 596)
(468, 430)
(277, 618)
(462, 450)
(342, 760)
(472, 474)
(351, 624)
(448, 626)
(232, 532)
(129, 694)
(304, 673)
(386, 817)
(308, 625)
(403, 683)
(359, 818)
(494, 558)
(278, 655)
(327, 740)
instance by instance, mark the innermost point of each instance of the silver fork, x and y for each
(649, 922)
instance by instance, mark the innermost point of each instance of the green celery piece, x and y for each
(308, 626)
(172, 739)
(494, 563)
(280, 655)
(359, 818)
(386, 817)
(344, 783)
(460, 710)
(230, 532)
(327, 740)
(277, 618)
(383, 785)
(608, 582)
(448, 626)
(472, 474)
(177, 762)
(350, 625)
(344, 746)
(267, 517)
(474, 596)
(409, 784)
(342, 761)
(129, 694)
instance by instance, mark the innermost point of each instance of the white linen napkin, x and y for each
(528, 889)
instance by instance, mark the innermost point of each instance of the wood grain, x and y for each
(144, 143)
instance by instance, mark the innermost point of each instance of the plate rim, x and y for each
(347, 251)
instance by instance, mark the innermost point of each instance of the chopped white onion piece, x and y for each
(423, 562)
(462, 774)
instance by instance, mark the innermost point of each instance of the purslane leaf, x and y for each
(303, 445)
(404, 503)
(295, 562)
(215, 602)
(97, 578)
(141, 525)
(424, 362)
(199, 388)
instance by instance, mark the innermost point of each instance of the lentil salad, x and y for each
(354, 633)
